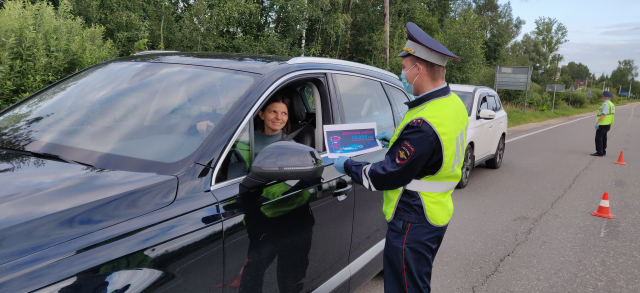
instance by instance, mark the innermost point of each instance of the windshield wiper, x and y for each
(47, 156)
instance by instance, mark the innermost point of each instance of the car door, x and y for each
(483, 130)
(369, 224)
(290, 236)
(495, 123)
(501, 116)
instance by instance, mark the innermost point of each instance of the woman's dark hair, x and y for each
(280, 97)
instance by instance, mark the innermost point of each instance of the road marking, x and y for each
(631, 117)
(602, 230)
(541, 130)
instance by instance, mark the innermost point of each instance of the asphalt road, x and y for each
(527, 227)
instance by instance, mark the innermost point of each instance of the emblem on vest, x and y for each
(405, 151)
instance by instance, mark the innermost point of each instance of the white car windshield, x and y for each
(467, 99)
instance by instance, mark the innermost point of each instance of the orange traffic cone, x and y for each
(603, 209)
(236, 282)
(621, 159)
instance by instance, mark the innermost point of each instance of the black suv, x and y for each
(108, 185)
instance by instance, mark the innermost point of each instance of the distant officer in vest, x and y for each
(421, 168)
(603, 124)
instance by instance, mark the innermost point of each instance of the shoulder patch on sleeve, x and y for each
(417, 122)
(404, 153)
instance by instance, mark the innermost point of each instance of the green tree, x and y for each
(576, 71)
(463, 36)
(539, 49)
(551, 33)
(499, 26)
(40, 44)
(124, 22)
(624, 74)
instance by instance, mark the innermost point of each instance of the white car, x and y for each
(487, 128)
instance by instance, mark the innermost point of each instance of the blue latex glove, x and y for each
(597, 126)
(384, 138)
(339, 164)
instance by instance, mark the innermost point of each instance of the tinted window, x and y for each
(498, 103)
(364, 100)
(399, 99)
(492, 103)
(145, 112)
(307, 96)
(467, 99)
(483, 104)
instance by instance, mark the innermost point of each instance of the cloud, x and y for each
(621, 25)
(634, 31)
(600, 57)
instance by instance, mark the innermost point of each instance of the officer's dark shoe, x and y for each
(597, 155)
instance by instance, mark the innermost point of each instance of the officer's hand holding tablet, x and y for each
(384, 138)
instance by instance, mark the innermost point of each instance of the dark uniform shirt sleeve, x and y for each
(416, 153)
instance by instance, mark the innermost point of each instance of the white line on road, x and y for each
(541, 130)
(631, 117)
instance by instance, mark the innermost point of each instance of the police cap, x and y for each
(607, 95)
(421, 45)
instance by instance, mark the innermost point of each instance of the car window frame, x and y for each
(333, 107)
(482, 96)
(498, 102)
(328, 83)
(491, 106)
(397, 120)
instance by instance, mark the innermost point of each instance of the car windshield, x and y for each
(133, 112)
(467, 99)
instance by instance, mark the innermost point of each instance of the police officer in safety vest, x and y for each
(604, 120)
(421, 168)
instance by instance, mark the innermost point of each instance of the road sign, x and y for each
(589, 94)
(558, 88)
(555, 88)
(624, 93)
(513, 78)
(572, 89)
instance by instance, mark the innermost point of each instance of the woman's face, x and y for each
(275, 118)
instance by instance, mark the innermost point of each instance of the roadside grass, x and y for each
(516, 117)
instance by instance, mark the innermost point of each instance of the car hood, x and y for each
(44, 202)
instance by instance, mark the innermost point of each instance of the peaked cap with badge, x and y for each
(423, 46)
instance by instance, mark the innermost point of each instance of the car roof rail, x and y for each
(483, 87)
(320, 60)
(153, 52)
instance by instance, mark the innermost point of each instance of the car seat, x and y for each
(299, 120)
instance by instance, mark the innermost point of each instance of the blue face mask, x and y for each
(407, 86)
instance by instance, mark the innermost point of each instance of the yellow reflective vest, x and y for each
(449, 119)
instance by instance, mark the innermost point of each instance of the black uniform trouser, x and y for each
(601, 139)
(409, 251)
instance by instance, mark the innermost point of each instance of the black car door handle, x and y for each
(342, 191)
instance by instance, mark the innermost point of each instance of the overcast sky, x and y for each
(600, 32)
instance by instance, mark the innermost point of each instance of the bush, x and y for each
(576, 100)
(579, 101)
(40, 44)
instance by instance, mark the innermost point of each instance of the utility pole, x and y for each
(630, 83)
(304, 26)
(386, 33)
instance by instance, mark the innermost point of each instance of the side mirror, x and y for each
(281, 161)
(487, 114)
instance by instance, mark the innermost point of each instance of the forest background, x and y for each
(43, 41)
